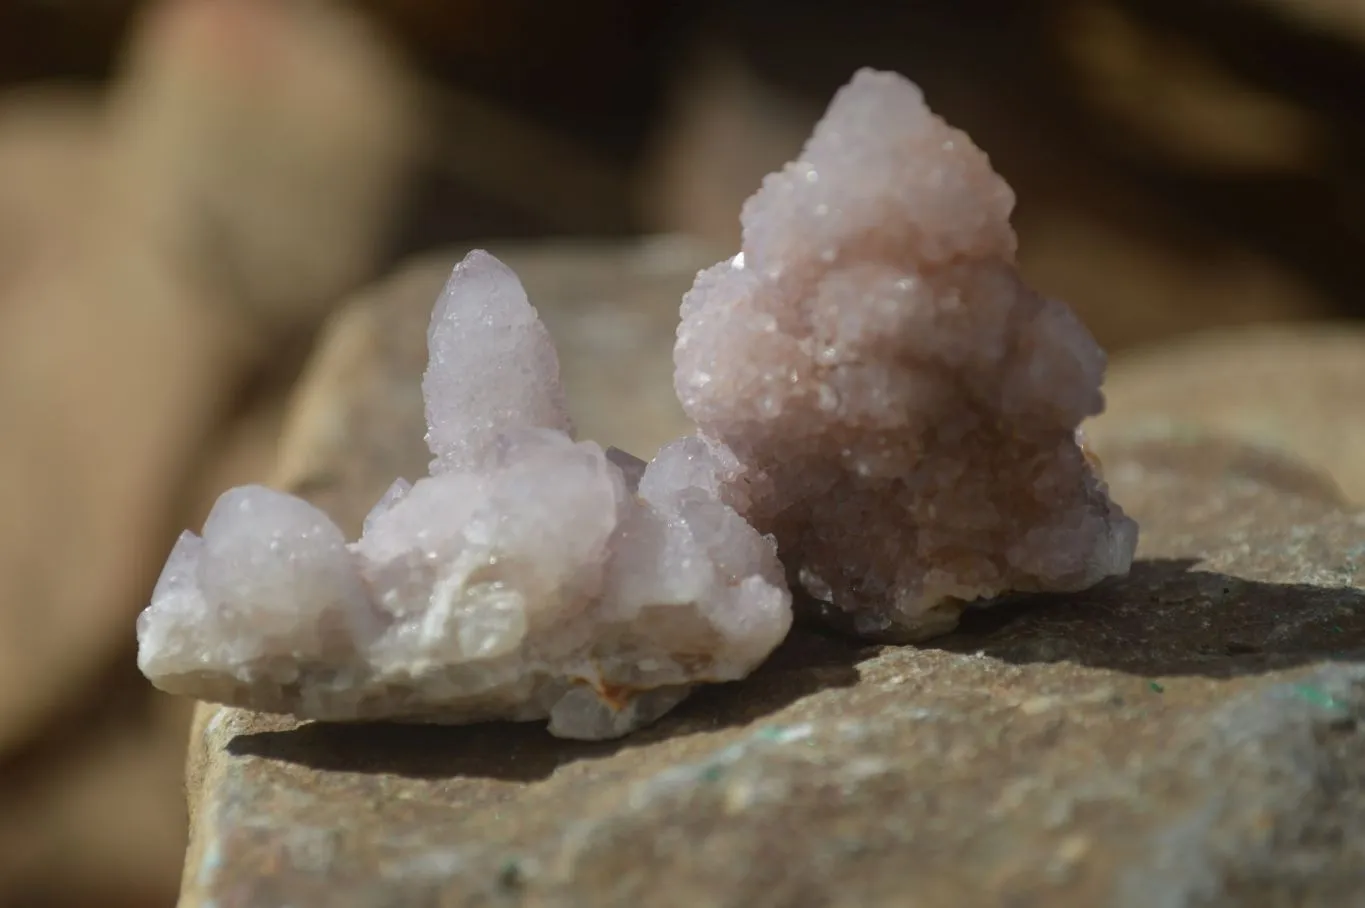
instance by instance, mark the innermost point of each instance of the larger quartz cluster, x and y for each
(530, 576)
(901, 409)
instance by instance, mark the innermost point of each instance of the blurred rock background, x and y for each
(189, 187)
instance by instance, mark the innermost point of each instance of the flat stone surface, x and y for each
(1297, 389)
(1187, 736)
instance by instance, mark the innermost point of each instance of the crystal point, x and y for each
(492, 364)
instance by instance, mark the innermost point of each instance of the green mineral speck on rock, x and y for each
(1318, 697)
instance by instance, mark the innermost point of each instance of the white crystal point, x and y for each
(492, 365)
(693, 462)
(268, 588)
(391, 497)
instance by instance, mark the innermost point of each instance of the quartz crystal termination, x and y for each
(902, 410)
(530, 576)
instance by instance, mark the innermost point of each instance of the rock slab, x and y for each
(1188, 736)
(1293, 389)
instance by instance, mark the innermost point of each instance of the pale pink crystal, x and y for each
(492, 364)
(523, 579)
(902, 408)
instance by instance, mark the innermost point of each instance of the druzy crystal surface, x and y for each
(900, 409)
(529, 576)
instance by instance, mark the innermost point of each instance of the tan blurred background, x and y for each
(187, 188)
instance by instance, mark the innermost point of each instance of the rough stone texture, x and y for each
(903, 407)
(1293, 389)
(1187, 736)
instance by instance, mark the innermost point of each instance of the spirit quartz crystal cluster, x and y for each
(905, 410)
(878, 395)
(529, 576)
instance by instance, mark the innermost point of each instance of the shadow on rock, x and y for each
(1165, 618)
(525, 752)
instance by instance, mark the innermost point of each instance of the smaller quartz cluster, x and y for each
(530, 576)
(903, 409)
